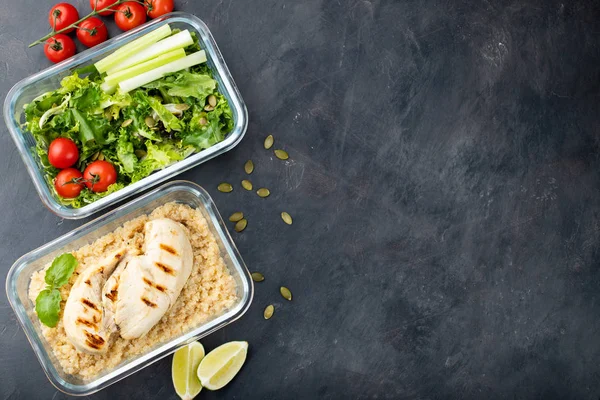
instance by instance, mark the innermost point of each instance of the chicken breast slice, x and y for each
(84, 318)
(150, 284)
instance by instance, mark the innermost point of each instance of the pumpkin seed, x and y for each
(101, 157)
(249, 167)
(257, 277)
(285, 292)
(287, 218)
(182, 106)
(269, 311)
(236, 216)
(241, 225)
(263, 192)
(203, 121)
(281, 154)
(208, 107)
(150, 122)
(212, 100)
(246, 184)
(140, 153)
(126, 123)
(268, 142)
(225, 187)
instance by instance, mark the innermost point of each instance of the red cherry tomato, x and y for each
(61, 16)
(59, 47)
(156, 8)
(99, 175)
(67, 183)
(101, 4)
(91, 32)
(129, 15)
(63, 153)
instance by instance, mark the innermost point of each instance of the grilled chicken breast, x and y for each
(84, 319)
(150, 284)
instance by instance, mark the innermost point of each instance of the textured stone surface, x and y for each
(444, 183)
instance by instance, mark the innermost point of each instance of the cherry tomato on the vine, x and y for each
(59, 47)
(129, 15)
(101, 4)
(156, 8)
(99, 175)
(68, 183)
(91, 32)
(63, 15)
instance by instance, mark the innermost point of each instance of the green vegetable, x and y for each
(131, 48)
(47, 303)
(139, 132)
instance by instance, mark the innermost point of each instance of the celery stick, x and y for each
(109, 89)
(146, 66)
(131, 48)
(179, 40)
(157, 73)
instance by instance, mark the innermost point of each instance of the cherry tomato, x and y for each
(101, 4)
(91, 32)
(61, 16)
(129, 15)
(67, 183)
(59, 47)
(99, 175)
(156, 8)
(63, 153)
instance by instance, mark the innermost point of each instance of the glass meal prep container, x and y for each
(49, 79)
(18, 280)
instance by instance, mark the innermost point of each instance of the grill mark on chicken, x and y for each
(86, 323)
(149, 303)
(154, 285)
(168, 249)
(90, 304)
(165, 268)
(94, 341)
(112, 296)
(88, 282)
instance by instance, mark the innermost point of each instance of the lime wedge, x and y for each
(185, 363)
(219, 366)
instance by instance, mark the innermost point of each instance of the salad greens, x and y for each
(141, 118)
(47, 303)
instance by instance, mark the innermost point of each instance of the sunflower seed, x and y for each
(285, 292)
(126, 123)
(212, 100)
(287, 218)
(246, 184)
(263, 192)
(257, 277)
(225, 187)
(249, 167)
(268, 142)
(182, 106)
(236, 216)
(281, 154)
(150, 122)
(269, 311)
(241, 225)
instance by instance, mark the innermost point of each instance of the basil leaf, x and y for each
(61, 270)
(47, 306)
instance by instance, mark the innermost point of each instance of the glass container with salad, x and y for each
(147, 105)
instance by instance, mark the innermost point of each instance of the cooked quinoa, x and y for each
(209, 291)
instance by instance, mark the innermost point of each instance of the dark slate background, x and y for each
(444, 183)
